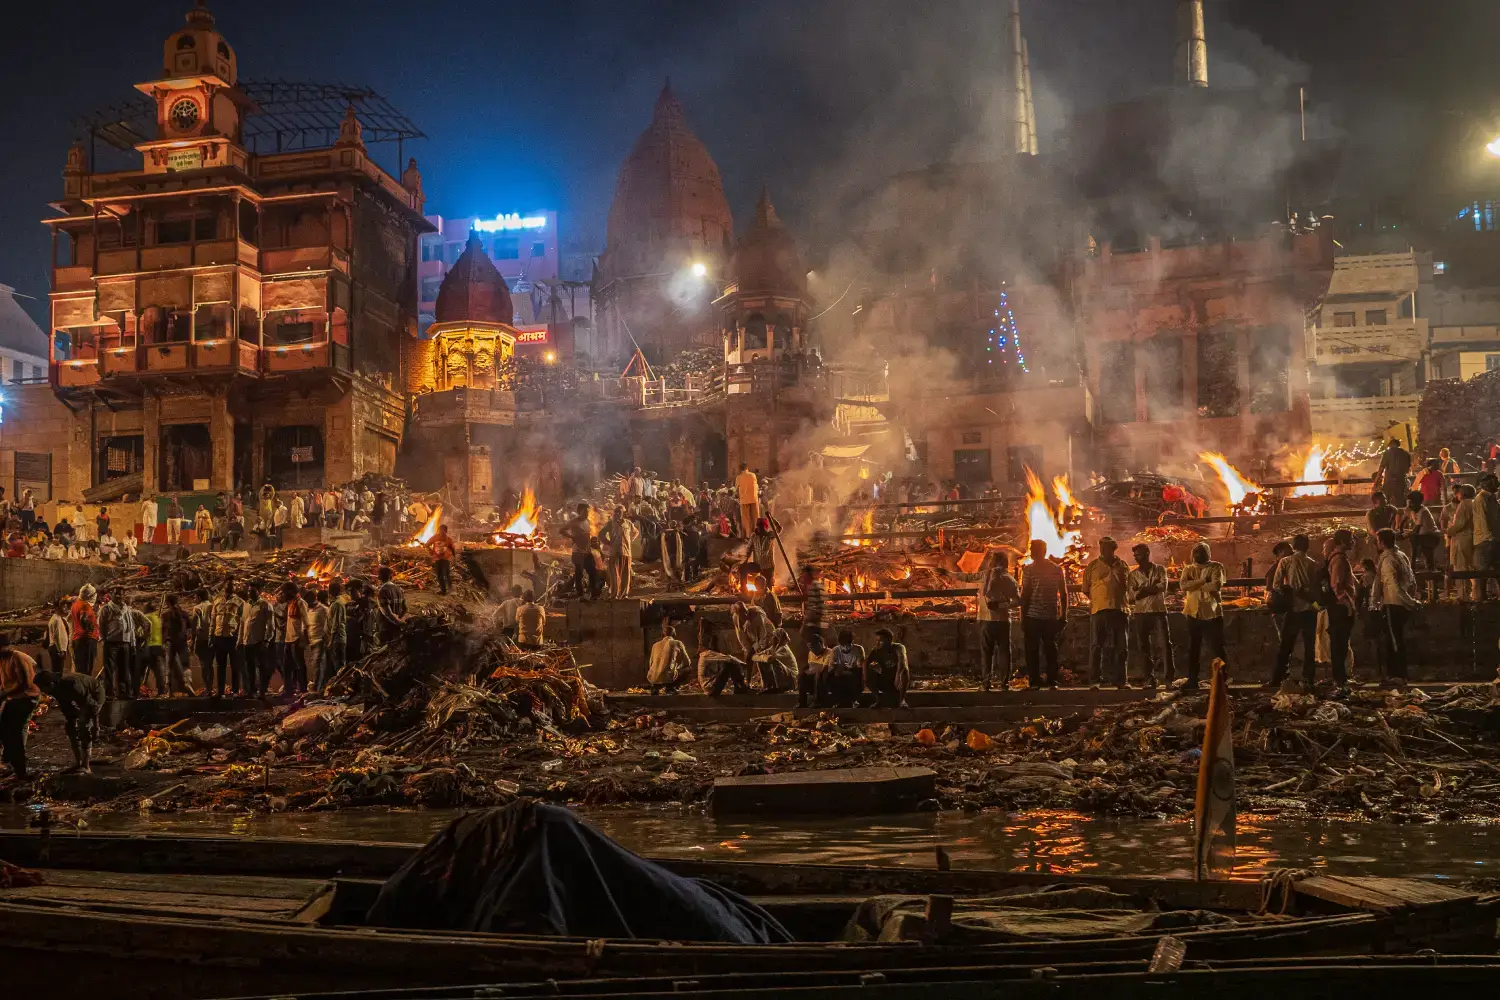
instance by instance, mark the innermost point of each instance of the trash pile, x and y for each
(417, 722)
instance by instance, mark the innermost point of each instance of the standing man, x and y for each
(59, 635)
(80, 698)
(621, 533)
(176, 635)
(748, 487)
(1296, 575)
(1044, 612)
(203, 636)
(362, 617)
(1104, 579)
(349, 504)
(174, 521)
(1146, 592)
(154, 660)
(317, 637)
(998, 594)
(1394, 595)
(293, 630)
(336, 634)
(580, 533)
(255, 641)
(225, 614)
(814, 604)
(299, 511)
(1201, 581)
(1342, 604)
(1486, 530)
(84, 630)
(443, 550)
(117, 625)
(1395, 470)
(18, 699)
(391, 606)
(149, 512)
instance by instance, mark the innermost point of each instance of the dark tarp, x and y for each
(531, 868)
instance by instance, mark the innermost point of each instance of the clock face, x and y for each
(184, 114)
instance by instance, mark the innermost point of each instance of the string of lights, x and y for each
(1004, 336)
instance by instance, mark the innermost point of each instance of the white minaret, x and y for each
(1018, 92)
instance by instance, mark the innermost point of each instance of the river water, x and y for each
(1055, 842)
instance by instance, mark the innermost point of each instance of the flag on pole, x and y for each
(1213, 812)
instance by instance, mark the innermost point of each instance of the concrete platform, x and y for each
(144, 712)
(852, 791)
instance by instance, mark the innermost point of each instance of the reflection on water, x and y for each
(1052, 841)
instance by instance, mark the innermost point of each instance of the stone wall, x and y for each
(28, 582)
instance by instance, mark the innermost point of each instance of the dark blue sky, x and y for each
(535, 105)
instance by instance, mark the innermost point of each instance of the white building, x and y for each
(23, 345)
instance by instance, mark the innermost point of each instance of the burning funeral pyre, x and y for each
(523, 530)
(1245, 497)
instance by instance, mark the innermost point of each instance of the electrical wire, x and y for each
(835, 302)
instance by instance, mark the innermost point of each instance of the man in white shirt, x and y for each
(508, 609)
(149, 512)
(748, 487)
(670, 663)
(1146, 593)
(998, 594)
(299, 508)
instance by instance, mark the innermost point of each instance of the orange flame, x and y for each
(864, 525)
(1064, 495)
(429, 529)
(1041, 524)
(1238, 486)
(525, 520)
(322, 569)
(1312, 470)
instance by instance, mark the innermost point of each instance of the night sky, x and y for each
(530, 106)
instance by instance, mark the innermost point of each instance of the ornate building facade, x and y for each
(224, 316)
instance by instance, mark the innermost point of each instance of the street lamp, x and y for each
(700, 269)
(1493, 148)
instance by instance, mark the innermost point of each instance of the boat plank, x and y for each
(247, 886)
(162, 901)
(1379, 895)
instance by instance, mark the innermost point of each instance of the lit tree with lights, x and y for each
(1002, 349)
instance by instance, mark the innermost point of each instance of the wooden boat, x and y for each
(1254, 979)
(192, 916)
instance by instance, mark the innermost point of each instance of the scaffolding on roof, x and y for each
(283, 116)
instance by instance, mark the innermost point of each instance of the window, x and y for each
(37, 372)
(755, 332)
(213, 321)
(538, 249)
(170, 231)
(432, 248)
(291, 327)
(430, 288)
(1439, 267)
(973, 437)
(451, 251)
(1405, 310)
(1491, 362)
(1343, 319)
(1020, 458)
(972, 465)
(507, 248)
(1375, 317)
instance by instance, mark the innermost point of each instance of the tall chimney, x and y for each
(1020, 125)
(1030, 104)
(1192, 45)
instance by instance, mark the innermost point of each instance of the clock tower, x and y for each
(199, 107)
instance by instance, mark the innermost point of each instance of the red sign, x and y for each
(532, 335)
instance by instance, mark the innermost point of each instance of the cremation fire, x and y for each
(1312, 470)
(1243, 494)
(522, 531)
(429, 529)
(1040, 522)
(323, 569)
(861, 525)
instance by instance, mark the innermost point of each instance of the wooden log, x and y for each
(838, 792)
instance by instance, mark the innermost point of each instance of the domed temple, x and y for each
(666, 243)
